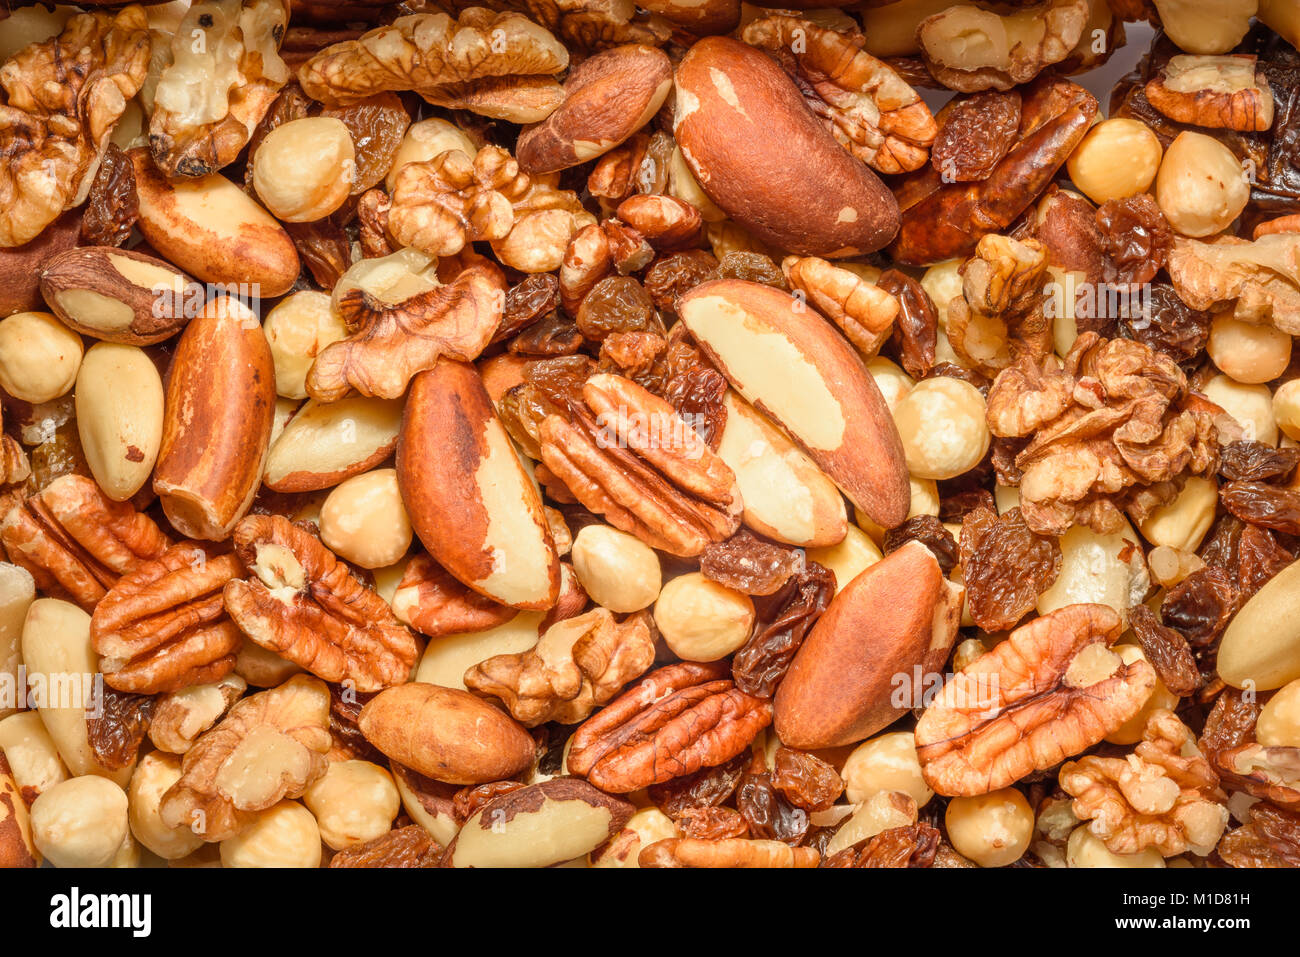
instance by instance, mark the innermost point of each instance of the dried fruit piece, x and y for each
(782, 621)
(712, 823)
(806, 781)
(410, 846)
(1005, 567)
(1248, 461)
(376, 125)
(1135, 237)
(708, 787)
(117, 730)
(749, 564)
(112, 206)
(975, 133)
(1270, 838)
(1167, 651)
(930, 532)
(767, 811)
(1168, 325)
(1266, 505)
(915, 845)
(1200, 606)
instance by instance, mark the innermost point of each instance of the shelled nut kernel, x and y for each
(1279, 721)
(298, 328)
(942, 424)
(886, 762)
(1182, 523)
(446, 660)
(364, 521)
(285, 835)
(1097, 568)
(1286, 408)
(993, 829)
(1130, 732)
(1248, 352)
(1118, 157)
(848, 559)
(702, 620)
(1085, 849)
(425, 140)
(925, 501)
(156, 772)
(303, 170)
(616, 569)
(1201, 187)
(81, 822)
(354, 802)
(1250, 405)
(39, 356)
(892, 381)
(119, 407)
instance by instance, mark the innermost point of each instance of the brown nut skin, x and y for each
(452, 449)
(760, 154)
(217, 419)
(898, 614)
(20, 266)
(868, 462)
(607, 98)
(157, 312)
(446, 734)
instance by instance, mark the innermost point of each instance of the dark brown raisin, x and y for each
(916, 327)
(1271, 838)
(552, 336)
(708, 787)
(1266, 505)
(781, 622)
(750, 565)
(976, 132)
(117, 728)
(410, 846)
(1247, 461)
(929, 531)
(1136, 237)
(1167, 651)
(1259, 557)
(805, 779)
(1005, 566)
(955, 508)
(617, 304)
(1200, 606)
(912, 846)
(1166, 324)
(769, 814)
(672, 276)
(526, 303)
(752, 267)
(323, 248)
(712, 823)
(112, 206)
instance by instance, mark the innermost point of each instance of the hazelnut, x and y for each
(1084, 849)
(1279, 721)
(892, 381)
(354, 802)
(364, 521)
(702, 620)
(1118, 157)
(849, 558)
(886, 762)
(81, 822)
(993, 830)
(298, 328)
(285, 835)
(942, 424)
(618, 570)
(1250, 405)
(1206, 26)
(1248, 352)
(1201, 187)
(39, 356)
(155, 773)
(1286, 408)
(1183, 522)
(425, 140)
(1130, 732)
(303, 170)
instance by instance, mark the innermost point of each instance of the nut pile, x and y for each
(607, 435)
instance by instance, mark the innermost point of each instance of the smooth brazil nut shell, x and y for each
(469, 499)
(212, 229)
(446, 734)
(607, 98)
(1261, 648)
(217, 421)
(857, 670)
(793, 366)
(760, 154)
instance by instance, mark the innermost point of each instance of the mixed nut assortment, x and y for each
(571, 432)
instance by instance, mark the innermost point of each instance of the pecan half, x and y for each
(625, 454)
(1052, 689)
(671, 723)
(434, 603)
(1224, 92)
(76, 541)
(578, 665)
(307, 606)
(163, 626)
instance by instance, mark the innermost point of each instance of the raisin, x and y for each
(1166, 324)
(1005, 567)
(1259, 557)
(955, 508)
(806, 780)
(954, 371)
(617, 304)
(469, 800)
(912, 846)
(526, 303)
(1247, 461)
(687, 381)
(1136, 237)
(769, 815)
(112, 205)
(712, 823)
(344, 712)
(708, 787)
(324, 248)
(559, 381)
(410, 846)
(750, 565)
(976, 133)
(916, 327)
(1266, 505)
(671, 277)
(1221, 545)
(929, 531)
(1167, 651)
(781, 622)
(1271, 838)
(631, 354)
(1002, 456)
(1200, 606)
(552, 336)
(377, 125)
(751, 267)
(1231, 723)
(117, 728)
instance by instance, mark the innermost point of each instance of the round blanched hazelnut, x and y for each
(1248, 352)
(303, 170)
(1130, 732)
(892, 381)
(425, 140)
(297, 329)
(81, 822)
(156, 772)
(848, 558)
(925, 501)
(1118, 157)
(354, 802)
(886, 762)
(993, 830)
(942, 424)
(1286, 408)
(1201, 187)
(285, 835)
(39, 356)
(618, 570)
(1279, 720)
(1085, 849)
(1183, 522)
(1250, 405)
(364, 520)
(702, 620)
(942, 282)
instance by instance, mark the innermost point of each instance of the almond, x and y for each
(857, 670)
(760, 154)
(793, 366)
(217, 421)
(325, 443)
(469, 498)
(446, 734)
(211, 228)
(119, 405)
(118, 295)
